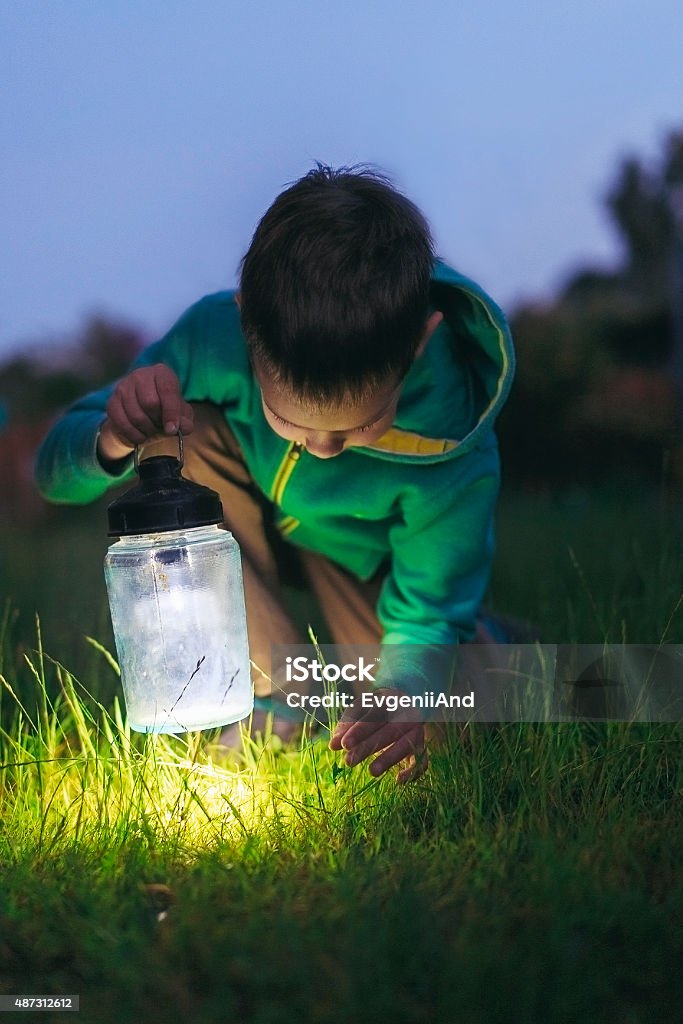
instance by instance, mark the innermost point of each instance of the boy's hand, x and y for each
(361, 737)
(144, 403)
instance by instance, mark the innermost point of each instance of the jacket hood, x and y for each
(480, 340)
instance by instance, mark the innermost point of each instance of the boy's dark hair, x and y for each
(335, 284)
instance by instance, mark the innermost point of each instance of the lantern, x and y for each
(174, 580)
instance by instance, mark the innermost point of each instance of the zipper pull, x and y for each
(287, 467)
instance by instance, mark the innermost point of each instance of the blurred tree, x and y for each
(38, 383)
(595, 392)
(640, 209)
(35, 386)
(674, 187)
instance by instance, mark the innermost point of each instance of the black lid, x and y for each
(163, 500)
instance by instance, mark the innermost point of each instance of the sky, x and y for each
(142, 140)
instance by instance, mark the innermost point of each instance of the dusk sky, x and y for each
(142, 141)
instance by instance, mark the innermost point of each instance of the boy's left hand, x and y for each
(398, 741)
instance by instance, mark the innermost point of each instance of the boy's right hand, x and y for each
(143, 404)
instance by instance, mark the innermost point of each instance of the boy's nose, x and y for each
(324, 447)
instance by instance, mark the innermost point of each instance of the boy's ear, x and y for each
(238, 300)
(431, 325)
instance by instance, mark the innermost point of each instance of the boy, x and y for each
(346, 396)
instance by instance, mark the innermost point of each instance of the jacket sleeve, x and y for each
(67, 470)
(442, 550)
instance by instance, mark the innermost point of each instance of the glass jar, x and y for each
(174, 580)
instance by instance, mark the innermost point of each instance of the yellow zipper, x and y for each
(285, 470)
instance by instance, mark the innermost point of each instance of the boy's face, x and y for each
(328, 432)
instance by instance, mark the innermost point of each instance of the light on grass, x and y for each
(73, 772)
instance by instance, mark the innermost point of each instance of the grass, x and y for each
(533, 874)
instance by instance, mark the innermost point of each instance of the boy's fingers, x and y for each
(351, 719)
(156, 390)
(406, 746)
(147, 402)
(174, 412)
(348, 735)
(382, 737)
(396, 740)
(358, 732)
(137, 414)
(338, 735)
(121, 426)
(168, 398)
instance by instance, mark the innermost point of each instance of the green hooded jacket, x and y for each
(421, 498)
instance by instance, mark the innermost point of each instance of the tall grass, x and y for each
(592, 568)
(532, 875)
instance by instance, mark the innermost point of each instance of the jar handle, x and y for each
(181, 451)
